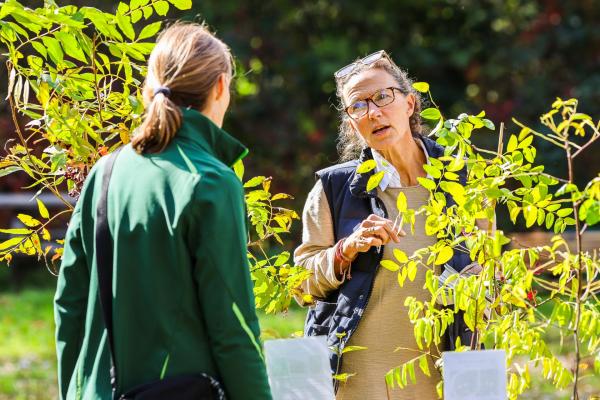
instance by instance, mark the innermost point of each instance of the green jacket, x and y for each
(183, 300)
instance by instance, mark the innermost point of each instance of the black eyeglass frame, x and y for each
(370, 99)
(366, 60)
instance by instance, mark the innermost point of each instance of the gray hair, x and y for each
(349, 142)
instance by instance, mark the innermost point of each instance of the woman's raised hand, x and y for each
(373, 231)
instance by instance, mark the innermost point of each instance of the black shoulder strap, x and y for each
(104, 260)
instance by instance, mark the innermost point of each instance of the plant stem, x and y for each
(577, 288)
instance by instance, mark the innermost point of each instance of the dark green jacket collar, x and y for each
(203, 132)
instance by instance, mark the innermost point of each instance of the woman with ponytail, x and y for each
(180, 294)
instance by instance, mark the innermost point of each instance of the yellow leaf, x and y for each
(512, 144)
(43, 210)
(343, 377)
(374, 180)
(366, 166)
(400, 256)
(348, 349)
(402, 277)
(444, 255)
(390, 265)
(45, 234)
(11, 242)
(412, 270)
(401, 202)
(307, 299)
(28, 220)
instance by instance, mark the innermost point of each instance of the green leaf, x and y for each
(443, 255)
(488, 124)
(526, 142)
(374, 180)
(257, 180)
(150, 30)
(530, 213)
(512, 144)
(426, 183)
(99, 19)
(124, 23)
(238, 168)
(182, 4)
(390, 265)
(401, 202)
(71, 46)
(564, 212)
(423, 365)
(549, 220)
(433, 171)
(366, 166)
(400, 256)
(431, 113)
(147, 12)
(134, 4)
(161, 7)
(54, 50)
(451, 176)
(454, 188)
(42, 209)
(422, 87)
(136, 15)
(411, 372)
(9, 170)
(40, 48)
(282, 259)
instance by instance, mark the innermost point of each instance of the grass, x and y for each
(27, 357)
(27, 360)
(28, 364)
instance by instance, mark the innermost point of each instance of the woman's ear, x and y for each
(410, 102)
(221, 86)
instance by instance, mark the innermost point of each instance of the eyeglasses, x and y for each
(368, 60)
(381, 98)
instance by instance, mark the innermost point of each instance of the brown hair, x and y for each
(349, 142)
(186, 63)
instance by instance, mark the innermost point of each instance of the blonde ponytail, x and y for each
(183, 67)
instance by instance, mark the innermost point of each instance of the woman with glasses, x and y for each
(348, 230)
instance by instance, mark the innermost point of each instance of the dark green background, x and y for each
(510, 58)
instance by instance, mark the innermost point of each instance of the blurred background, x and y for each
(509, 58)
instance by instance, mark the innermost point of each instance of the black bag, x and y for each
(183, 387)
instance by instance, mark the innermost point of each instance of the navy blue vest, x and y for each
(338, 315)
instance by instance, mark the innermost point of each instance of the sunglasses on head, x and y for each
(368, 60)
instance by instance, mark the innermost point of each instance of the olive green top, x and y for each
(182, 295)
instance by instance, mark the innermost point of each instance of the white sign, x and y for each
(475, 375)
(299, 369)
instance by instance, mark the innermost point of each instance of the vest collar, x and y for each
(200, 130)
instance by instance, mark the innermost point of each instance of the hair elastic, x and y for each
(164, 90)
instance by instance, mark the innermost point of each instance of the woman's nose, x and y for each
(374, 111)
